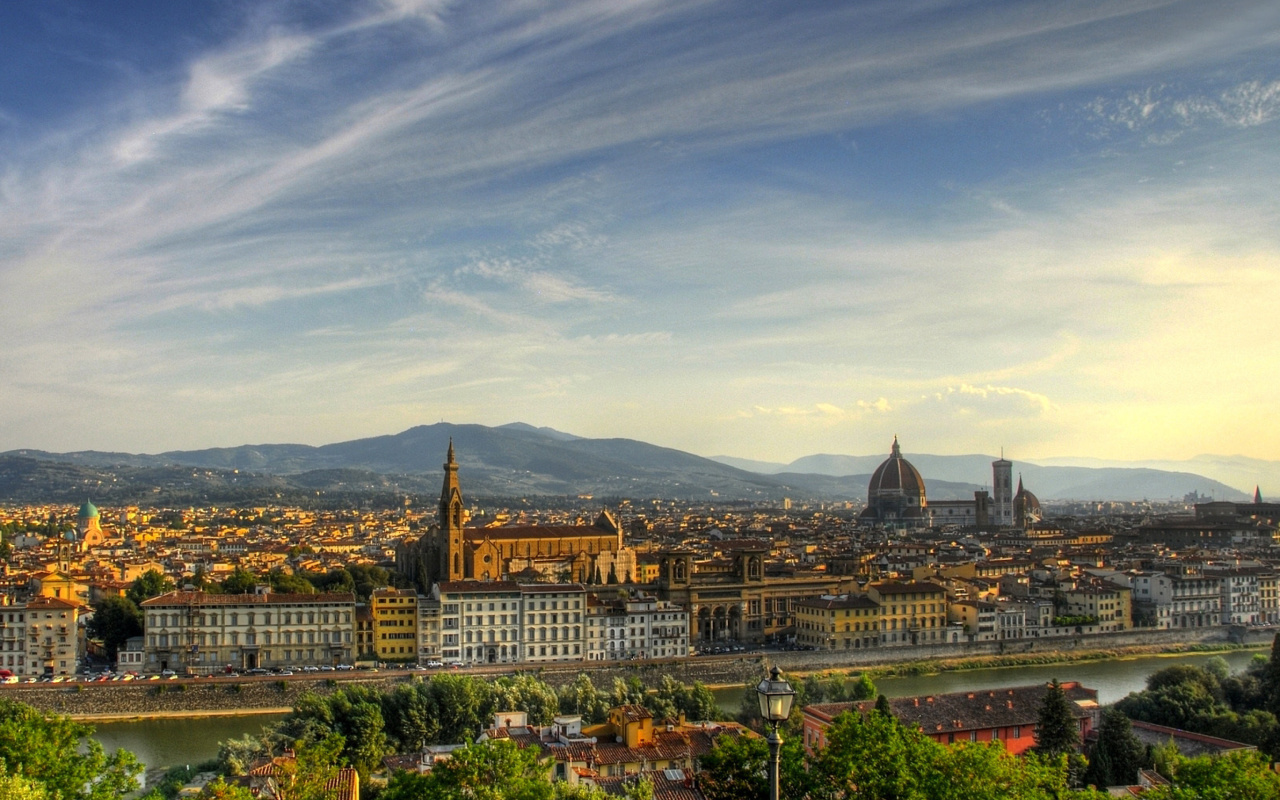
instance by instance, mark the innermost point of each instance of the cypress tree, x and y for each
(1057, 732)
(1118, 755)
(882, 705)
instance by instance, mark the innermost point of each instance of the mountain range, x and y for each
(520, 460)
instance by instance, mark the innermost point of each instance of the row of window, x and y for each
(233, 618)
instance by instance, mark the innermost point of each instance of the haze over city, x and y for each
(762, 232)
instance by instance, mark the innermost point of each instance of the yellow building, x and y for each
(838, 622)
(911, 613)
(395, 624)
(1110, 604)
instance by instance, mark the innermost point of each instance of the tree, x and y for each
(528, 694)
(218, 789)
(1238, 775)
(873, 758)
(882, 706)
(115, 620)
(1117, 756)
(1271, 677)
(15, 787)
(289, 583)
(148, 585)
(491, 771)
(863, 688)
(59, 756)
(239, 582)
(1057, 731)
(315, 764)
(737, 768)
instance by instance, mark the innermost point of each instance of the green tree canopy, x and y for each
(148, 585)
(114, 621)
(54, 754)
(1057, 731)
(490, 771)
(1117, 755)
(241, 581)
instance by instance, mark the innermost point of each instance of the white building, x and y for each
(1152, 599)
(637, 626)
(1197, 600)
(479, 621)
(553, 622)
(200, 633)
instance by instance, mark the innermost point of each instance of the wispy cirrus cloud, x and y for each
(654, 197)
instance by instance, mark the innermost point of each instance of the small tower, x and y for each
(1257, 496)
(1002, 491)
(451, 522)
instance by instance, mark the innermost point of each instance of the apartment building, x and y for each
(838, 622)
(1240, 603)
(910, 613)
(1152, 599)
(199, 633)
(40, 637)
(1197, 600)
(428, 630)
(636, 626)
(395, 624)
(479, 621)
(1110, 604)
(553, 622)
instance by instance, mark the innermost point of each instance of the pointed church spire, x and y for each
(1019, 483)
(450, 460)
(1257, 495)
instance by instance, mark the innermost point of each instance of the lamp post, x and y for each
(776, 697)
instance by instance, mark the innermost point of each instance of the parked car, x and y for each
(345, 667)
(433, 664)
(310, 668)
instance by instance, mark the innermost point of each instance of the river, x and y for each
(175, 742)
(1113, 678)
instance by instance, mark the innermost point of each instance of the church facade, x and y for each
(451, 551)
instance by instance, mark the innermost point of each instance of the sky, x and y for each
(744, 228)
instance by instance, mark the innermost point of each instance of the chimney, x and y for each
(916, 701)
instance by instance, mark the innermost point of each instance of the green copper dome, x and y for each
(88, 510)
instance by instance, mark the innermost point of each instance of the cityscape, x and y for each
(286, 596)
(641, 399)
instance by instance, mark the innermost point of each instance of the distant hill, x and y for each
(519, 460)
(1127, 482)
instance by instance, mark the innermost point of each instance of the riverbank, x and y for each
(189, 714)
(921, 668)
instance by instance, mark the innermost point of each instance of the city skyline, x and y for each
(762, 233)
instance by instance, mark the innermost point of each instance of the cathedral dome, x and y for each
(1026, 506)
(896, 491)
(895, 476)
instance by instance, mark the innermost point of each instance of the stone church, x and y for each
(451, 551)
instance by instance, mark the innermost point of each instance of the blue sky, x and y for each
(755, 229)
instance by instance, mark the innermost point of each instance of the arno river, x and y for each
(171, 742)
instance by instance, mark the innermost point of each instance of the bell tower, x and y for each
(451, 522)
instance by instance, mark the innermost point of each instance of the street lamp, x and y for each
(776, 696)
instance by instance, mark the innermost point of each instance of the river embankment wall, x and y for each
(198, 697)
